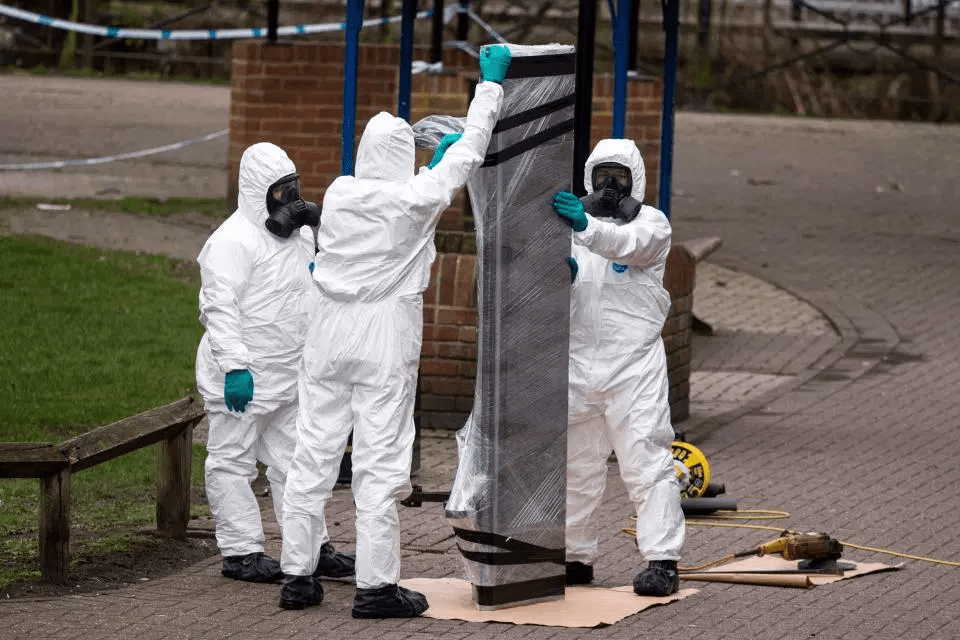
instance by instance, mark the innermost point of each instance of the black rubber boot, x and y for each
(253, 567)
(579, 573)
(659, 579)
(333, 564)
(390, 601)
(300, 592)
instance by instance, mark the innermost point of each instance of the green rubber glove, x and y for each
(570, 210)
(574, 268)
(494, 62)
(238, 389)
(445, 142)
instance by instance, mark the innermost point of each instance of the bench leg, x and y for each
(173, 484)
(55, 526)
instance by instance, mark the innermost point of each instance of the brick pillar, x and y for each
(448, 360)
(291, 94)
(678, 279)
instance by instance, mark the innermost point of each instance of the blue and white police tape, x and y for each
(81, 162)
(197, 34)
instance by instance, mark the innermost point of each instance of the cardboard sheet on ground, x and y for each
(451, 599)
(727, 573)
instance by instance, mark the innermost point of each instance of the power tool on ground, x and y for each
(816, 552)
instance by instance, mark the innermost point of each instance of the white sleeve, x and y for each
(463, 157)
(642, 242)
(224, 271)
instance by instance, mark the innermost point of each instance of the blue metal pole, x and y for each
(354, 22)
(671, 27)
(621, 52)
(408, 15)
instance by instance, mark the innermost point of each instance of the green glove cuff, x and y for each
(445, 143)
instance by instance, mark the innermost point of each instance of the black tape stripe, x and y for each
(517, 551)
(494, 540)
(556, 556)
(556, 64)
(518, 591)
(532, 142)
(530, 115)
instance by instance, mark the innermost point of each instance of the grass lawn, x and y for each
(88, 337)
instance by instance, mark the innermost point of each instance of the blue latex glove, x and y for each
(311, 267)
(238, 389)
(494, 62)
(574, 268)
(570, 210)
(445, 142)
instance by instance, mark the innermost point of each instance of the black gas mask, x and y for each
(286, 211)
(612, 184)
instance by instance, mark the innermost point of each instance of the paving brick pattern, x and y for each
(840, 408)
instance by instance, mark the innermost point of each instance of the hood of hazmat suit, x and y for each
(256, 292)
(623, 152)
(618, 371)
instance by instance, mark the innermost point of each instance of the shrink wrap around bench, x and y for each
(508, 500)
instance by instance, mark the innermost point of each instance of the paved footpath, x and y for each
(829, 390)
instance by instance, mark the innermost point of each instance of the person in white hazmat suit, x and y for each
(255, 296)
(375, 250)
(618, 371)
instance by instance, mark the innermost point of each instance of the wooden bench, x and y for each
(170, 425)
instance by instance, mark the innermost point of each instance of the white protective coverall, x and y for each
(255, 297)
(363, 347)
(618, 372)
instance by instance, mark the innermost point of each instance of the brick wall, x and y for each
(448, 360)
(291, 94)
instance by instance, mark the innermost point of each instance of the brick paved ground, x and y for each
(829, 391)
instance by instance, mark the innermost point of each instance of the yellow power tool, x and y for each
(803, 546)
(816, 552)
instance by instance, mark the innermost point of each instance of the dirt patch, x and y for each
(146, 557)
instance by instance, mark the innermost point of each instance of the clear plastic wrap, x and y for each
(508, 500)
(428, 131)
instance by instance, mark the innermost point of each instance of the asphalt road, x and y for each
(49, 119)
